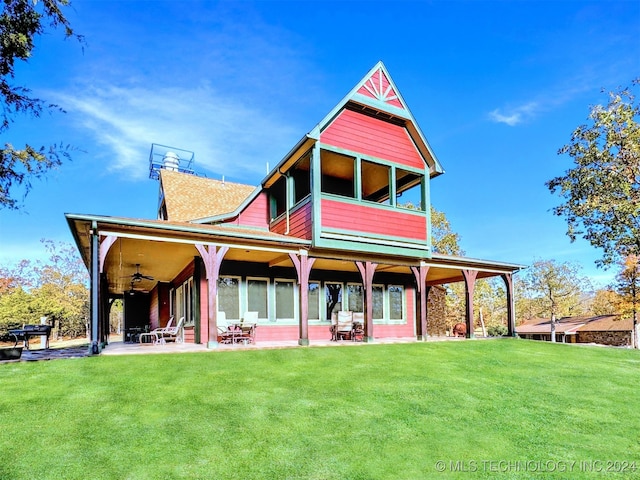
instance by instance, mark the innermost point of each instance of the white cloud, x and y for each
(228, 137)
(516, 115)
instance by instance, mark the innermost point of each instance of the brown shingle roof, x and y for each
(573, 324)
(189, 197)
(605, 323)
(543, 325)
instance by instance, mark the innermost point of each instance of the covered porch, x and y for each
(162, 269)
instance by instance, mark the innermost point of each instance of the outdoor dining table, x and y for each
(235, 333)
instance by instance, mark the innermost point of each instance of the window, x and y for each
(301, 173)
(338, 173)
(285, 309)
(278, 196)
(257, 297)
(378, 302)
(409, 189)
(375, 182)
(355, 298)
(396, 302)
(314, 301)
(181, 302)
(229, 297)
(333, 298)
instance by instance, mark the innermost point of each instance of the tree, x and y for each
(20, 22)
(602, 190)
(604, 302)
(444, 240)
(555, 289)
(628, 286)
(57, 289)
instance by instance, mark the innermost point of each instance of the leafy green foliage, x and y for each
(497, 331)
(57, 289)
(554, 289)
(628, 287)
(20, 22)
(445, 240)
(602, 191)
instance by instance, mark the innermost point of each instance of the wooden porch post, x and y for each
(470, 285)
(511, 308)
(94, 349)
(303, 266)
(367, 269)
(420, 273)
(212, 258)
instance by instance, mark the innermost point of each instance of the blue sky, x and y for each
(496, 87)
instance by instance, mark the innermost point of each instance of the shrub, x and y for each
(497, 331)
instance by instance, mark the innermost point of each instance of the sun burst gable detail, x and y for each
(377, 86)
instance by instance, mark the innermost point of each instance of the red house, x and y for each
(341, 224)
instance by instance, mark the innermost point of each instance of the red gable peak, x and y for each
(377, 86)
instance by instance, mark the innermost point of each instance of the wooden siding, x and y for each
(256, 214)
(159, 305)
(189, 335)
(299, 223)
(371, 136)
(372, 220)
(154, 311)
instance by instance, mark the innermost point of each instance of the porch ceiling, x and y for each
(164, 249)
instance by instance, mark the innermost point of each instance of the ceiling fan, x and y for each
(138, 277)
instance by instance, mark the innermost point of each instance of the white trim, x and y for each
(354, 238)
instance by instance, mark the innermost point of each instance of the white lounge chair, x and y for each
(172, 334)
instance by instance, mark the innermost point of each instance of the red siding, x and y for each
(371, 220)
(371, 136)
(189, 335)
(256, 214)
(299, 223)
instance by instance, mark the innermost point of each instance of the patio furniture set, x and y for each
(345, 327)
(168, 333)
(238, 333)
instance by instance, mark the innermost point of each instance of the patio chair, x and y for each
(157, 331)
(250, 318)
(357, 334)
(172, 334)
(248, 334)
(333, 329)
(344, 328)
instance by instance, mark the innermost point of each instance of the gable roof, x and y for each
(189, 197)
(570, 325)
(607, 323)
(375, 94)
(566, 325)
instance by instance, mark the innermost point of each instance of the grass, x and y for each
(364, 412)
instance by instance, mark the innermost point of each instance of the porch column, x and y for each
(212, 258)
(94, 349)
(420, 273)
(303, 266)
(103, 287)
(367, 269)
(470, 284)
(511, 308)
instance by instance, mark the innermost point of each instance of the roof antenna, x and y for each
(267, 168)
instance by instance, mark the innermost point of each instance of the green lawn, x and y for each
(506, 408)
